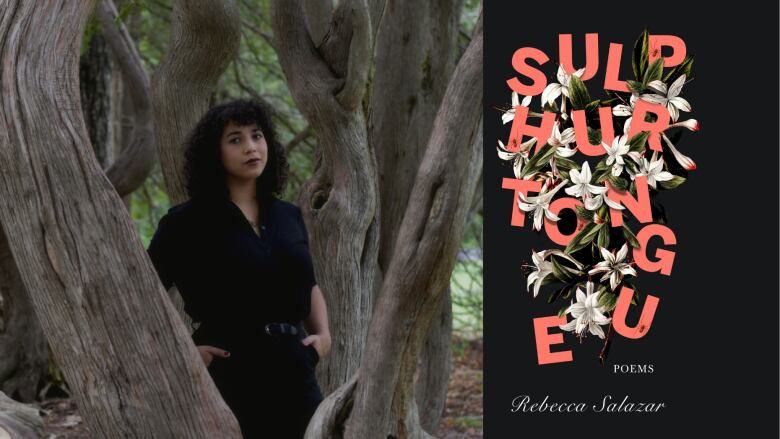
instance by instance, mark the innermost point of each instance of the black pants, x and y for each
(270, 385)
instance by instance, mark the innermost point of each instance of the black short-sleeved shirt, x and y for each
(232, 280)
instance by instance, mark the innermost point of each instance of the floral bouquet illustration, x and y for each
(593, 175)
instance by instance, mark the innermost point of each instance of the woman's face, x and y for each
(244, 151)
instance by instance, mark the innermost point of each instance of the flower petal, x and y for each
(622, 110)
(653, 98)
(659, 86)
(551, 92)
(680, 103)
(676, 87)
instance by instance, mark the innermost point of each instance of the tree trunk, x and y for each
(415, 55)
(137, 157)
(124, 351)
(327, 82)
(24, 353)
(204, 40)
(19, 421)
(96, 72)
(433, 372)
(426, 248)
(339, 202)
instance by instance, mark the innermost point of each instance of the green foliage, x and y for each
(578, 93)
(640, 55)
(584, 237)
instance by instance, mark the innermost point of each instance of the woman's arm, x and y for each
(316, 323)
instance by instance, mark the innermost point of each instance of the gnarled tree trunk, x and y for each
(339, 202)
(379, 398)
(123, 349)
(204, 39)
(414, 56)
(19, 421)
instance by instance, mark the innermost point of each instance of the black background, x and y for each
(714, 340)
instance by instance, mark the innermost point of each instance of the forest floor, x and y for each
(462, 413)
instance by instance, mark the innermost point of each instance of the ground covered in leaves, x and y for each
(462, 414)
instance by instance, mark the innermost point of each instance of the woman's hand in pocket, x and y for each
(320, 343)
(209, 352)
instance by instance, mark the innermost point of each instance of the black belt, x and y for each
(281, 329)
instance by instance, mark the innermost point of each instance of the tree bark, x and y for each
(24, 353)
(339, 202)
(19, 421)
(201, 30)
(429, 238)
(131, 167)
(415, 55)
(123, 349)
(433, 372)
(95, 72)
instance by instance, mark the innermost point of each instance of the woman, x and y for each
(240, 259)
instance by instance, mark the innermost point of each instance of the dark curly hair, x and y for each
(204, 172)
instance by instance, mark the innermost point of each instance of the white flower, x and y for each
(669, 98)
(654, 170)
(594, 203)
(691, 124)
(545, 268)
(626, 110)
(562, 140)
(684, 161)
(581, 186)
(539, 205)
(509, 115)
(616, 152)
(613, 266)
(555, 89)
(588, 315)
(519, 158)
(592, 195)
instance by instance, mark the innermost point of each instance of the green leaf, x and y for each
(630, 237)
(604, 212)
(654, 72)
(632, 188)
(640, 55)
(578, 94)
(566, 164)
(594, 136)
(617, 182)
(638, 141)
(635, 86)
(608, 300)
(603, 237)
(673, 183)
(601, 175)
(584, 237)
(128, 9)
(631, 165)
(555, 294)
(584, 213)
(538, 160)
(680, 69)
(551, 107)
(560, 271)
(562, 311)
(609, 102)
(592, 107)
